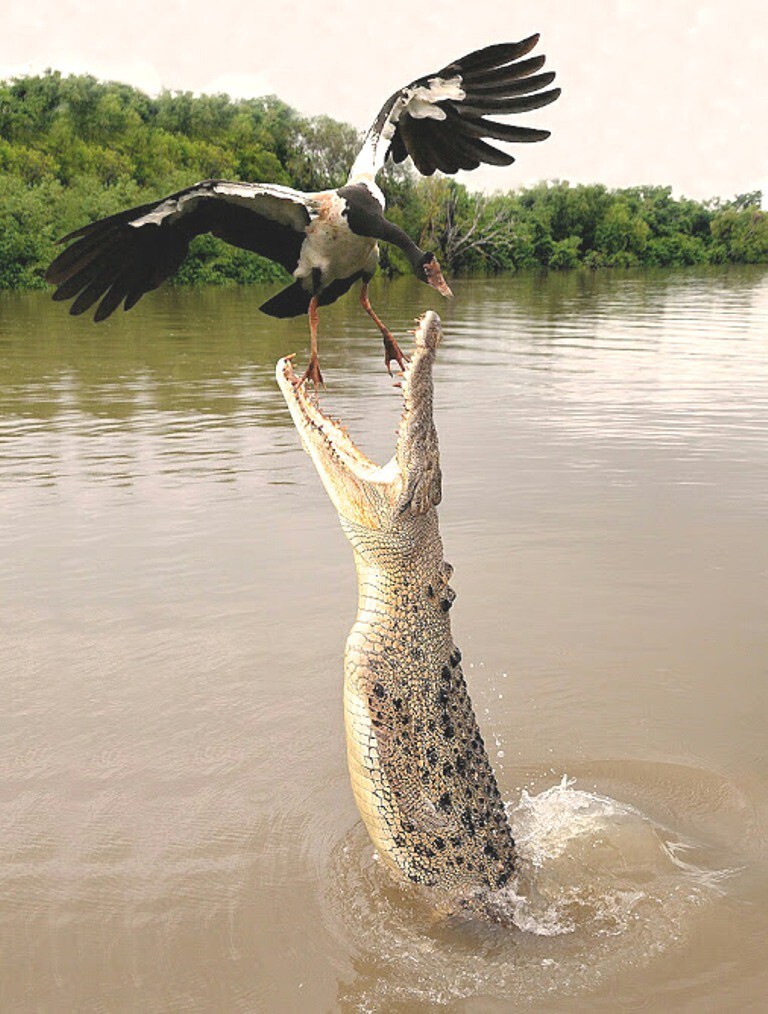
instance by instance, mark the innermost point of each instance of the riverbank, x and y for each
(74, 149)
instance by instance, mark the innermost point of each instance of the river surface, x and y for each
(177, 830)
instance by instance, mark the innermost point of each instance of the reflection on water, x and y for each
(176, 826)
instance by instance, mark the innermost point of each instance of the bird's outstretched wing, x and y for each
(121, 257)
(439, 120)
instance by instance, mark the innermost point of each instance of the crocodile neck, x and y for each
(420, 773)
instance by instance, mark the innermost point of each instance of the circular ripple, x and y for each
(603, 886)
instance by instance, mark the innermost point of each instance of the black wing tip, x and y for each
(54, 274)
(132, 299)
(526, 45)
(84, 230)
(102, 312)
(78, 311)
(498, 54)
(479, 106)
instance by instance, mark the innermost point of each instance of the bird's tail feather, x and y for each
(289, 302)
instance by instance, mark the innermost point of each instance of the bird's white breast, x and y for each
(330, 244)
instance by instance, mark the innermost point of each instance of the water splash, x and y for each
(593, 865)
(601, 887)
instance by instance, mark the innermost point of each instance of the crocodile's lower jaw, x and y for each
(420, 773)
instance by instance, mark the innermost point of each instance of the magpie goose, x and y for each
(326, 240)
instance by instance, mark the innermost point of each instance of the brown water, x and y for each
(176, 827)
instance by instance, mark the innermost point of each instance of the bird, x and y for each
(326, 240)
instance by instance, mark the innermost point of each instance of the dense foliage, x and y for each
(73, 149)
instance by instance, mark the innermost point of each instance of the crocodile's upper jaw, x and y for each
(363, 492)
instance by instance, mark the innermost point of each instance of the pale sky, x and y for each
(665, 93)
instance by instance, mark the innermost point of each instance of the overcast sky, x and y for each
(669, 93)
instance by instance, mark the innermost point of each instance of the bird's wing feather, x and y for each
(120, 258)
(439, 119)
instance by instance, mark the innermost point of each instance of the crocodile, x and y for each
(420, 772)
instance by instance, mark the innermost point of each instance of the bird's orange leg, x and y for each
(312, 371)
(391, 348)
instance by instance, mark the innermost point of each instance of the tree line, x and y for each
(73, 149)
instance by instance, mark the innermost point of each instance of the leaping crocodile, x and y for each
(420, 772)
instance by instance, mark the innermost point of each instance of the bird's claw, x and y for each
(393, 353)
(312, 373)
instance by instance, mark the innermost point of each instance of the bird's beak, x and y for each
(435, 278)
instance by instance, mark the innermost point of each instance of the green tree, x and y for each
(622, 236)
(323, 151)
(74, 149)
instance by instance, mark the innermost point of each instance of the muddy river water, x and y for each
(177, 830)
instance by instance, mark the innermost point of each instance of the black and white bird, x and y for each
(326, 240)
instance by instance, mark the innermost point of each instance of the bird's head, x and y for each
(428, 270)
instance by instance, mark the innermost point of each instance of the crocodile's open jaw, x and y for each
(361, 490)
